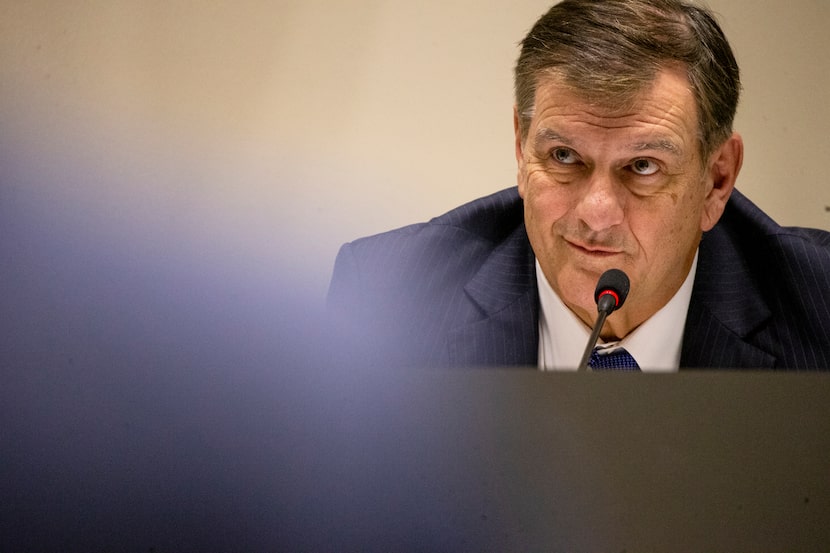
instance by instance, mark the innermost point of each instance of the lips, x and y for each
(594, 249)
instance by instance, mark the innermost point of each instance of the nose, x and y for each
(602, 204)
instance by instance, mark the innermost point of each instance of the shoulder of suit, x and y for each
(426, 263)
(489, 219)
(493, 217)
(743, 218)
(748, 255)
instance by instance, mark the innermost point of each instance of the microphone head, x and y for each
(613, 284)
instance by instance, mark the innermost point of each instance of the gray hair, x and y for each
(610, 50)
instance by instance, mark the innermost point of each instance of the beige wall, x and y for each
(252, 138)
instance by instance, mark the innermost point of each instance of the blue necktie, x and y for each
(617, 360)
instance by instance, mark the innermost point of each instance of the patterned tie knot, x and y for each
(616, 360)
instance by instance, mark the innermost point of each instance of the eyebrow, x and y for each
(662, 144)
(546, 134)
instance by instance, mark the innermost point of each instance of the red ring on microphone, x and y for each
(613, 293)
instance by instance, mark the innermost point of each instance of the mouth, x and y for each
(593, 250)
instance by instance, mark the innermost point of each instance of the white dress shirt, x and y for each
(655, 344)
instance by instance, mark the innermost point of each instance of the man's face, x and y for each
(616, 188)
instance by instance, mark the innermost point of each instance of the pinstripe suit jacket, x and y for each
(461, 290)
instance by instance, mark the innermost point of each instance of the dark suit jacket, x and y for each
(461, 290)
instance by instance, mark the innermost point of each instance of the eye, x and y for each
(564, 155)
(644, 167)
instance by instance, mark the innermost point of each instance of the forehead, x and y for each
(666, 105)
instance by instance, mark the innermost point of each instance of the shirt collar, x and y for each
(656, 344)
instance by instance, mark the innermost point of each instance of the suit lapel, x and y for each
(721, 318)
(504, 293)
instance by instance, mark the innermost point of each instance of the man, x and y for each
(626, 159)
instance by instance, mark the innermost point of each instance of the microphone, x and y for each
(612, 289)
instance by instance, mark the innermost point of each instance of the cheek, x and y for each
(542, 215)
(688, 217)
(666, 235)
(545, 202)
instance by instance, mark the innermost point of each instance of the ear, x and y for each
(724, 166)
(519, 146)
(517, 131)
